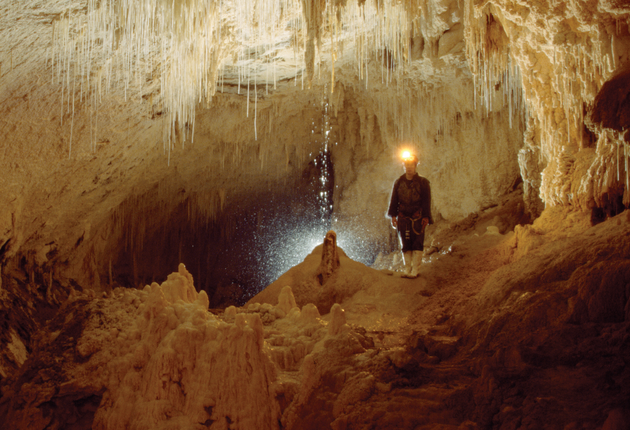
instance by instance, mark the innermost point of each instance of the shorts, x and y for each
(408, 231)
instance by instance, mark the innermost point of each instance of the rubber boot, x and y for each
(407, 257)
(416, 262)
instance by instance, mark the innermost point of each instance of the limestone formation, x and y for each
(330, 258)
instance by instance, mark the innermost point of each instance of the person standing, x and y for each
(410, 212)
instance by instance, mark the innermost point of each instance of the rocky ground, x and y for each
(505, 329)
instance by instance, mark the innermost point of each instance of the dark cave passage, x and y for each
(234, 256)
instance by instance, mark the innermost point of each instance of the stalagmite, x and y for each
(330, 258)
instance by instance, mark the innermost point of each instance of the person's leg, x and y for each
(417, 247)
(408, 258)
(406, 235)
(416, 262)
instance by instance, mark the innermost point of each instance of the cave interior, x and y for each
(193, 228)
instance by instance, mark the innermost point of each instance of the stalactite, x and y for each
(118, 45)
(573, 65)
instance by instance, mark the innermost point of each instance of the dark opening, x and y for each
(255, 240)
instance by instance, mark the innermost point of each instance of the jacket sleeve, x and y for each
(426, 200)
(393, 203)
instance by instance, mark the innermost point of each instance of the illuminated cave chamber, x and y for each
(257, 236)
(232, 135)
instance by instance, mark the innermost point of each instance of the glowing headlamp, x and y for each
(408, 156)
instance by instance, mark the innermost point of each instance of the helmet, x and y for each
(408, 156)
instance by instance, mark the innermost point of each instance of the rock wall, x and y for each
(470, 158)
(84, 149)
(566, 52)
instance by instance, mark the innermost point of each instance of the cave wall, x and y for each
(214, 194)
(566, 52)
(487, 92)
(470, 159)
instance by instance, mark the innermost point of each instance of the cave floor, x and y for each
(493, 333)
(525, 330)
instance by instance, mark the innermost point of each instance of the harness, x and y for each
(413, 224)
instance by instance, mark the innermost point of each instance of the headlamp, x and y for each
(408, 156)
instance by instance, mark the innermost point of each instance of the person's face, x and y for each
(410, 168)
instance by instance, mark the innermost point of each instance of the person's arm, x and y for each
(426, 203)
(393, 206)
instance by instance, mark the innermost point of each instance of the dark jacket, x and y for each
(411, 197)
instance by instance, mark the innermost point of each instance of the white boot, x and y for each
(416, 262)
(407, 257)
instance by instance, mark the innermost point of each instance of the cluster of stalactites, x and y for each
(321, 31)
(595, 177)
(376, 29)
(168, 54)
(135, 218)
(610, 170)
(558, 82)
(492, 66)
(579, 71)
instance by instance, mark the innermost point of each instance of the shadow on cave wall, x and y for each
(612, 110)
